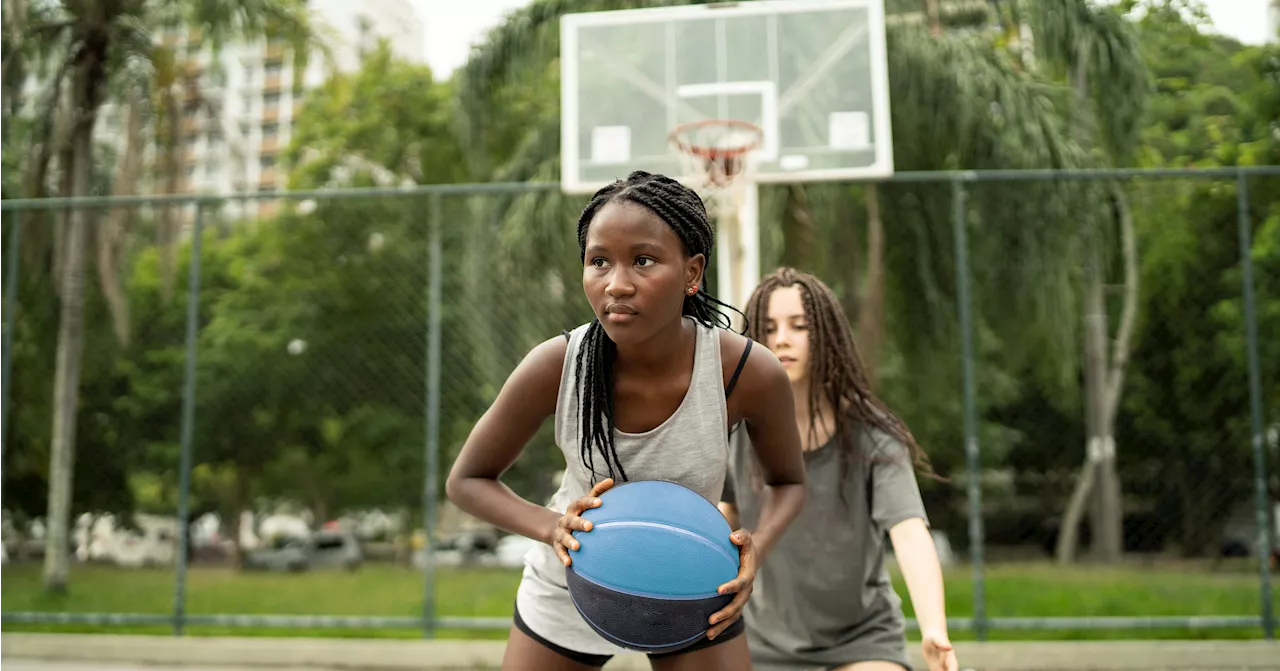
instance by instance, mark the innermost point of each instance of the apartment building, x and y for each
(239, 106)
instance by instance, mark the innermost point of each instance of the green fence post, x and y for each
(188, 422)
(1255, 406)
(970, 415)
(10, 302)
(430, 485)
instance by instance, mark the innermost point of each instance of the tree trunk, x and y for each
(871, 310)
(110, 234)
(239, 502)
(169, 223)
(49, 135)
(852, 264)
(1105, 522)
(1099, 439)
(935, 20)
(1104, 380)
(62, 224)
(798, 229)
(86, 93)
(15, 70)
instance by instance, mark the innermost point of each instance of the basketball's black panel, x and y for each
(641, 623)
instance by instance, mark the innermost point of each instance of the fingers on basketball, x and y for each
(602, 487)
(725, 617)
(716, 630)
(561, 551)
(572, 521)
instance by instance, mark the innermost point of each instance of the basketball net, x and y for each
(716, 160)
(715, 155)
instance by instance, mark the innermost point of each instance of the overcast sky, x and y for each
(452, 26)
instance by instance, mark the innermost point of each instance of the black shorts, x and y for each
(733, 631)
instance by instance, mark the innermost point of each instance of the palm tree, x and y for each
(99, 44)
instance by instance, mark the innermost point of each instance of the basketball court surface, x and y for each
(37, 665)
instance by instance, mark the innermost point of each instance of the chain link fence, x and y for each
(303, 412)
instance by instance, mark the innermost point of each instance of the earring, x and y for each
(693, 290)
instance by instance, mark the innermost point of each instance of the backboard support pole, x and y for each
(738, 249)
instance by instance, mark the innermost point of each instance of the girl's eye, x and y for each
(644, 261)
(597, 262)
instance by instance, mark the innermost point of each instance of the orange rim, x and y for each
(712, 153)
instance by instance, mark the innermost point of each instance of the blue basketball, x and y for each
(645, 576)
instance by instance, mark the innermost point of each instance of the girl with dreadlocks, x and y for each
(824, 600)
(645, 391)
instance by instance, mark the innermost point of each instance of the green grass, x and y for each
(1013, 590)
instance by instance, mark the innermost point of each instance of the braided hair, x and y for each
(686, 214)
(835, 369)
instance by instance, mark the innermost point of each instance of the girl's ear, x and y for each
(695, 270)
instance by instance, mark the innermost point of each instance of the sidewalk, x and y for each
(388, 655)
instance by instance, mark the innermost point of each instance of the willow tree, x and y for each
(95, 48)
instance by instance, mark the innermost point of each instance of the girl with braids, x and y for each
(646, 391)
(824, 600)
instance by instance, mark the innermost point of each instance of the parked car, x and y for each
(323, 549)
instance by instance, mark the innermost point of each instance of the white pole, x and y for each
(727, 261)
(749, 235)
(738, 248)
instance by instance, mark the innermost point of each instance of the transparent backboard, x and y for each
(810, 73)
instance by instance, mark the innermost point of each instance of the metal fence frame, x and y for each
(979, 623)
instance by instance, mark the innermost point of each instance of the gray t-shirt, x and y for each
(823, 596)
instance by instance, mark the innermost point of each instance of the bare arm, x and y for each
(527, 399)
(730, 512)
(918, 559)
(768, 407)
(763, 398)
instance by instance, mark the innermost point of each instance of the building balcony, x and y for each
(269, 145)
(271, 114)
(191, 125)
(275, 52)
(272, 84)
(267, 179)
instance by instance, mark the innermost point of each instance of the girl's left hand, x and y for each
(742, 585)
(938, 652)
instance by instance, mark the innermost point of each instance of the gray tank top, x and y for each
(690, 448)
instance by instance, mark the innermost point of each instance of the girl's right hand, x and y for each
(562, 538)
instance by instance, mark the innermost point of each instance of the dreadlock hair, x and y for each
(686, 214)
(836, 372)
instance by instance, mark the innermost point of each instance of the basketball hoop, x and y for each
(714, 153)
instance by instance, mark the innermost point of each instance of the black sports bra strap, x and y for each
(733, 381)
(728, 388)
